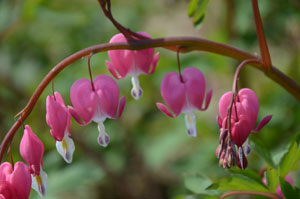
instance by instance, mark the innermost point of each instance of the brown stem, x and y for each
(261, 37)
(190, 43)
(231, 193)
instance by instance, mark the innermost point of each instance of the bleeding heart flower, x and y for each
(131, 62)
(96, 105)
(15, 181)
(32, 151)
(184, 95)
(243, 118)
(59, 120)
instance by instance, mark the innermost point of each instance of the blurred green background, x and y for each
(150, 155)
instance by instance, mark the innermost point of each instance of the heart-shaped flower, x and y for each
(131, 62)
(98, 104)
(184, 94)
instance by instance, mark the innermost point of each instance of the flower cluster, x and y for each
(99, 99)
(238, 115)
(91, 101)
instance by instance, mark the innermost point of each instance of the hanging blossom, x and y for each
(244, 112)
(131, 62)
(15, 181)
(59, 120)
(96, 101)
(184, 94)
(32, 151)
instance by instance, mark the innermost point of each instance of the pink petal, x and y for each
(154, 63)
(32, 150)
(194, 82)
(84, 99)
(121, 60)
(112, 70)
(165, 110)
(262, 123)
(219, 120)
(57, 117)
(224, 104)
(250, 104)
(76, 116)
(108, 95)
(173, 92)
(121, 106)
(240, 131)
(7, 191)
(21, 180)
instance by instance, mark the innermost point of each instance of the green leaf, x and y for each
(272, 179)
(238, 183)
(247, 173)
(197, 10)
(198, 184)
(287, 190)
(289, 161)
(264, 152)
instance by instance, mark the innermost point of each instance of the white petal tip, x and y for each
(40, 183)
(66, 148)
(192, 132)
(136, 91)
(103, 140)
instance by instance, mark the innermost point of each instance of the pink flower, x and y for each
(96, 105)
(278, 189)
(184, 96)
(32, 151)
(131, 62)
(15, 182)
(59, 120)
(244, 114)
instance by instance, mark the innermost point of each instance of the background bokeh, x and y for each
(150, 155)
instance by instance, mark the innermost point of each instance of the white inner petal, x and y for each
(241, 157)
(190, 122)
(40, 183)
(103, 138)
(66, 148)
(136, 91)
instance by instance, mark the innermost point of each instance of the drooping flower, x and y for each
(244, 112)
(59, 120)
(184, 95)
(96, 105)
(32, 151)
(15, 181)
(131, 62)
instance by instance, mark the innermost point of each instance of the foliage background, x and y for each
(149, 152)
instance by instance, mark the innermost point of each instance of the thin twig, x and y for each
(261, 37)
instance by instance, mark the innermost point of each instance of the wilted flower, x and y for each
(244, 112)
(183, 95)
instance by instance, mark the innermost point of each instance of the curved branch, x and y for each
(231, 193)
(186, 43)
